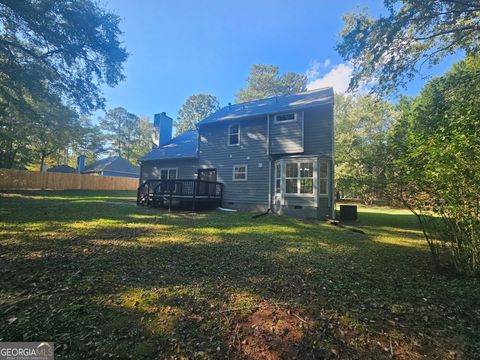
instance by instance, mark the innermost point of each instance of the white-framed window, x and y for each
(239, 172)
(234, 134)
(278, 178)
(299, 177)
(323, 178)
(291, 178)
(168, 174)
(283, 118)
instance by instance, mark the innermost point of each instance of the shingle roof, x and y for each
(62, 169)
(272, 105)
(114, 163)
(183, 146)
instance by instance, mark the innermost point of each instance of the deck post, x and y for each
(194, 194)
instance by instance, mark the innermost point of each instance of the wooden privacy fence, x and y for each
(22, 179)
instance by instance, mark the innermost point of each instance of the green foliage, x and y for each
(89, 141)
(196, 108)
(392, 49)
(121, 130)
(73, 46)
(436, 167)
(54, 58)
(143, 143)
(265, 81)
(361, 125)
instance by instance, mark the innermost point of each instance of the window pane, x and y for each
(278, 170)
(306, 170)
(306, 186)
(323, 169)
(233, 139)
(172, 174)
(292, 170)
(322, 187)
(164, 174)
(285, 117)
(233, 129)
(240, 173)
(277, 186)
(291, 186)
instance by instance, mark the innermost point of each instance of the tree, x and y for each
(53, 131)
(122, 130)
(144, 143)
(361, 130)
(392, 49)
(73, 46)
(265, 81)
(89, 142)
(436, 163)
(195, 108)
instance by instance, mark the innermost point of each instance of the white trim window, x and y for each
(240, 173)
(278, 178)
(168, 174)
(283, 118)
(323, 178)
(234, 135)
(299, 177)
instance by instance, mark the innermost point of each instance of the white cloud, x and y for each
(313, 70)
(338, 78)
(327, 63)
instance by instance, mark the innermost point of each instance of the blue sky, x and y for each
(179, 48)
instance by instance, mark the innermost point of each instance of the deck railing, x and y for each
(178, 188)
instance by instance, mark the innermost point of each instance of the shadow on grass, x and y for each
(103, 283)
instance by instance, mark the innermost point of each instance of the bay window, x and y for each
(299, 177)
(278, 178)
(323, 178)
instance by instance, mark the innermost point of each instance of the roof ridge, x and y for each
(283, 96)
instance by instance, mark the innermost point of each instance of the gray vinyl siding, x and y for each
(186, 168)
(318, 134)
(214, 152)
(286, 138)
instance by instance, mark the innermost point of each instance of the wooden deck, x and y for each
(190, 194)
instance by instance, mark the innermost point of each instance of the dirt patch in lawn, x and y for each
(271, 333)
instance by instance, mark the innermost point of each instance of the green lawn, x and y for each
(103, 278)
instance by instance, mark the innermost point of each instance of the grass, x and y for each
(103, 278)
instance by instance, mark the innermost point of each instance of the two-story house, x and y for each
(275, 153)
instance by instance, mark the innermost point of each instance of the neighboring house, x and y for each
(275, 153)
(62, 169)
(112, 166)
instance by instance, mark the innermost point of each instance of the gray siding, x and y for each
(318, 135)
(252, 151)
(186, 168)
(286, 138)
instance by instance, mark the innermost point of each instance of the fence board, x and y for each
(23, 179)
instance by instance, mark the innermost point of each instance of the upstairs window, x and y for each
(234, 135)
(283, 118)
(239, 172)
